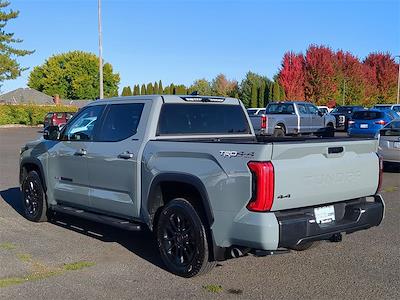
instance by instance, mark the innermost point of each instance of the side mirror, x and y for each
(51, 133)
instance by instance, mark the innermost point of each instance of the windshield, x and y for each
(391, 129)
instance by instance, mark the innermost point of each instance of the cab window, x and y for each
(81, 127)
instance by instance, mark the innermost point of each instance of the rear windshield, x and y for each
(202, 119)
(382, 107)
(280, 108)
(391, 129)
(367, 115)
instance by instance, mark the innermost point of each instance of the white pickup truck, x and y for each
(293, 118)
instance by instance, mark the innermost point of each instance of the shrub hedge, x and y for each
(29, 114)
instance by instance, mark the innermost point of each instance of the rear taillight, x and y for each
(380, 158)
(263, 186)
(263, 121)
(380, 122)
(351, 122)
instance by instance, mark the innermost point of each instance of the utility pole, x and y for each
(398, 81)
(100, 51)
(344, 91)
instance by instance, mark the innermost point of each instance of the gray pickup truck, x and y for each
(293, 118)
(191, 170)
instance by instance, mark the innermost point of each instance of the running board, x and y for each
(112, 221)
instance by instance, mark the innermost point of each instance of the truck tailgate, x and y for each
(309, 174)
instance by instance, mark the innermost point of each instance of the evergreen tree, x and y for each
(276, 91)
(136, 90)
(253, 102)
(160, 87)
(270, 94)
(167, 90)
(126, 91)
(9, 67)
(282, 90)
(172, 89)
(155, 87)
(261, 95)
(149, 89)
(143, 90)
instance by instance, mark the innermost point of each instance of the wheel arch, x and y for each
(188, 182)
(32, 164)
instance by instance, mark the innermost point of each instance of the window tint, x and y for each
(302, 109)
(312, 109)
(120, 122)
(382, 107)
(202, 119)
(367, 115)
(261, 112)
(81, 127)
(396, 108)
(280, 108)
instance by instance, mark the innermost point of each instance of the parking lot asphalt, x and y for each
(75, 259)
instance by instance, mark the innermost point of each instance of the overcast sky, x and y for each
(180, 41)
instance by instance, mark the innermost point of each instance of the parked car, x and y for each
(343, 114)
(293, 118)
(389, 142)
(57, 118)
(256, 111)
(368, 122)
(191, 169)
(324, 109)
(394, 107)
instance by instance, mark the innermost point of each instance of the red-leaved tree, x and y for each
(319, 74)
(380, 71)
(350, 81)
(291, 76)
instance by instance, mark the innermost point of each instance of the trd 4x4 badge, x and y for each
(232, 153)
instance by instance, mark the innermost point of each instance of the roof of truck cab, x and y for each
(170, 99)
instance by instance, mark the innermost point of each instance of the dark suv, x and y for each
(343, 114)
(57, 118)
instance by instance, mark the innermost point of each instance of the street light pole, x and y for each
(100, 51)
(398, 81)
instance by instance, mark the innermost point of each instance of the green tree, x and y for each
(261, 95)
(155, 87)
(172, 89)
(180, 90)
(254, 96)
(126, 91)
(276, 92)
(221, 86)
(136, 90)
(73, 75)
(149, 89)
(247, 84)
(167, 90)
(9, 67)
(160, 88)
(143, 90)
(202, 86)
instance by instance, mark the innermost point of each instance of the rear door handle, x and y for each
(81, 152)
(125, 155)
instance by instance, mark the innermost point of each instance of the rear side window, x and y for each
(382, 107)
(202, 119)
(121, 121)
(367, 115)
(280, 108)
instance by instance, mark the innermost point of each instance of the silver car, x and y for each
(389, 142)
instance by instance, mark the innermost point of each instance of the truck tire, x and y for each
(182, 240)
(303, 247)
(329, 131)
(33, 198)
(279, 132)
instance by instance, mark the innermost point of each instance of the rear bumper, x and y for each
(298, 226)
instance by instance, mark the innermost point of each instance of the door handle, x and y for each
(125, 155)
(81, 152)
